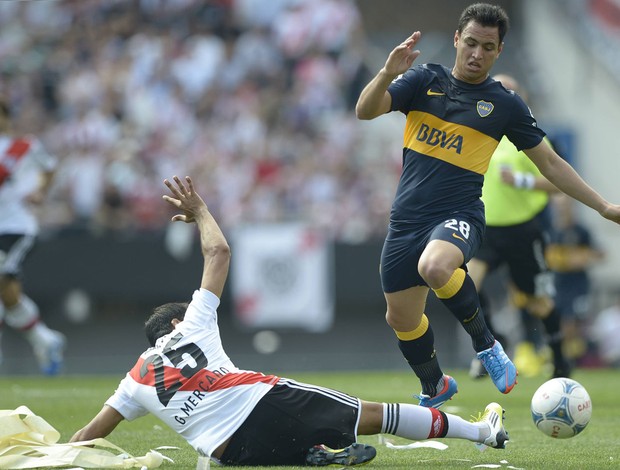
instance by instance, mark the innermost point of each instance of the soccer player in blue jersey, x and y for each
(455, 119)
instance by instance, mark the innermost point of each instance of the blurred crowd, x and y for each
(252, 98)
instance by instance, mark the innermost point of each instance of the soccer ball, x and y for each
(561, 408)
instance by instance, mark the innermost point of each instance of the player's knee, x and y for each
(9, 292)
(402, 320)
(434, 273)
(393, 320)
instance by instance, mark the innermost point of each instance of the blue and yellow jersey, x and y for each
(451, 132)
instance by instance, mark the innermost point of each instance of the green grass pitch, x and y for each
(67, 403)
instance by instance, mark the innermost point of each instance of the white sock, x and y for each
(418, 423)
(463, 429)
(23, 314)
(40, 335)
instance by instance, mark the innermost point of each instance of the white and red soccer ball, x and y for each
(561, 408)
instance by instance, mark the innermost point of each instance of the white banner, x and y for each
(282, 276)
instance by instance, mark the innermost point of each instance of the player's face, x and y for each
(477, 49)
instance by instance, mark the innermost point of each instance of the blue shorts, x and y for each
(403, 247)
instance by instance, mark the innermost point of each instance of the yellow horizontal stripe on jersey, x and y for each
(457, 144)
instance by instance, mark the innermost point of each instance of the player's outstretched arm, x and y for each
(375, 100)
(215, 249)
(100, 426)
(560, 173)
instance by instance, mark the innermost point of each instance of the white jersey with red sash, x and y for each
(189, 382)
(21, 162)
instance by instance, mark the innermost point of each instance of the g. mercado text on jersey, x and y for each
(198, 394)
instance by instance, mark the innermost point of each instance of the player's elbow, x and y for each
(219, 252)
(360, 113)
(370, 105)
(364, 114)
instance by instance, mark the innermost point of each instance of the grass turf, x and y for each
(67, 403)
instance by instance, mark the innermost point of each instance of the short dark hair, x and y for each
(486, 15)
(160, 322)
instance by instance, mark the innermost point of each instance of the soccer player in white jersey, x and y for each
(26, 172)
(241, 417)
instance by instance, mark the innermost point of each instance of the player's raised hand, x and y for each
(185, 198)
(403, 55)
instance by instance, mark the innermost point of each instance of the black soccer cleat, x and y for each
(355, 454)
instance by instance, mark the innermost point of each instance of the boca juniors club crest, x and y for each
(484, 108)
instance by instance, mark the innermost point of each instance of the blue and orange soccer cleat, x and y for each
(447, 392)
(500, 368)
